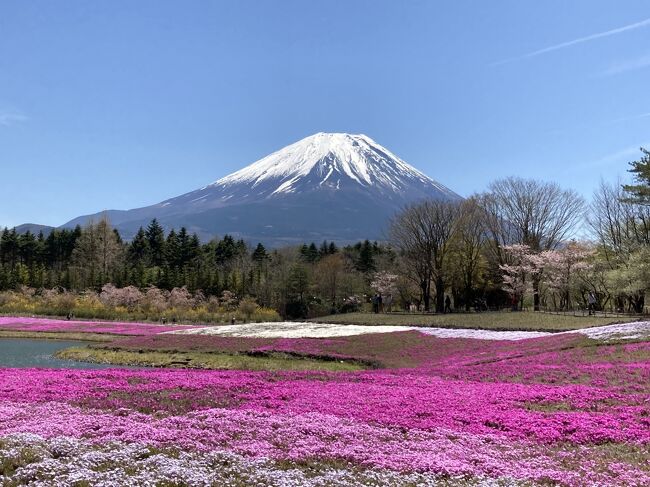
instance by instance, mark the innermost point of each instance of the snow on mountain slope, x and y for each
(331, 156)
(333, 162)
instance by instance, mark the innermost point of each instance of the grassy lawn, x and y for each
(504, 320)
(202, 360)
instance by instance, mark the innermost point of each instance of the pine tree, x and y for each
(184, 247)
(640, 192)
(193, 250)
(9, 247)
(259, 254)
(366, 260)
(27, 248)
(324, 249)
(156, 242)
(138, 249)
(172, 250)
(225, 250)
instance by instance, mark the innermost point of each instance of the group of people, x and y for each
(414, 308)
(381, 303)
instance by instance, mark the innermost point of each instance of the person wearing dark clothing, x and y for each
(447, 305)
(591, 300)
(375, 304)
(380, 304)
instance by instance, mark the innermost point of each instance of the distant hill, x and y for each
(329, 186)
(34, 228)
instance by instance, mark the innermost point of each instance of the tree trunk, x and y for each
(440, 295)
(425, 286)
(536, 293)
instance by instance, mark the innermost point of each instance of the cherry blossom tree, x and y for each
(130, 297)
(181, 298)
(523, 267)
(384, 283)
(562, 270)
(155, 299)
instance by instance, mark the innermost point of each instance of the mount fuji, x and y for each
(328, 186)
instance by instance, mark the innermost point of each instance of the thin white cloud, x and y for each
(633, 117)
(629, 65)
(11, 118)
(620, 157)
(579, 40)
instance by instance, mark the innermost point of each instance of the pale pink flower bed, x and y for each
(73, 326)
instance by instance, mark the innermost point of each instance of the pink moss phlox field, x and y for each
(561, 410)
(315, 436)
(74, 326)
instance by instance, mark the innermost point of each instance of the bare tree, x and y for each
(622, 228)
(329, 271)
(618, 224)
(538, 214)
(422, 233)
(97, 253)
(468, 246)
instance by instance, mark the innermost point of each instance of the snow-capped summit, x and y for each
(332, 186)
(322, 162)
(329, 157)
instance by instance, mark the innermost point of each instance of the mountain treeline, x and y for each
(88, 258)
(519, 243)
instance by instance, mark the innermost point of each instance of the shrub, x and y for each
(132, 304)
(248, 306)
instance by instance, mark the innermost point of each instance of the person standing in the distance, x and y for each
(375, 304)
(447, 304)
(591, 300)
(388, 302)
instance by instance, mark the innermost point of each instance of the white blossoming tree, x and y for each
(518, 274)
(563, 269)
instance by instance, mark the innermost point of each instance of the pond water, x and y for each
(23, 353)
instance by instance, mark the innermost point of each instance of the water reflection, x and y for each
(23, 353)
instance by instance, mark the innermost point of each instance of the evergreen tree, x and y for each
(193, 250)
(138, 249)
(186, 250)
(172, 250)
(324, 249)
(27, 248)
(366, 261)
(259, 254)
(9, 247)
(640, 192)
(156, 242)
(118, 237)
(304, 251)
(226, 250)
(309, 253)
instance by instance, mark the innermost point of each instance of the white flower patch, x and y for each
(286, 329)
(622, 331)
(482, 334)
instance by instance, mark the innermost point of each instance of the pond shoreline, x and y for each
(28, 353)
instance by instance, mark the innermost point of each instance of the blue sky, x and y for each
(119, 104)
